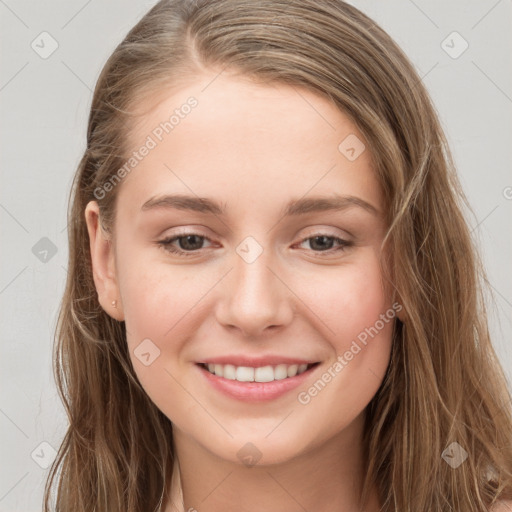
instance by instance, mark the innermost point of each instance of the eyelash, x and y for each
(166, 244)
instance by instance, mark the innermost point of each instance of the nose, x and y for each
(255, 298)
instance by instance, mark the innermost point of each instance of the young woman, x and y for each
(323, 344)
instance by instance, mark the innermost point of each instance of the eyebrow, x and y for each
(294, 207)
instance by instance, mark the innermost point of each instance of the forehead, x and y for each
(228, 135)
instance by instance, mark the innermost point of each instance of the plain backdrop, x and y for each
(52, 53)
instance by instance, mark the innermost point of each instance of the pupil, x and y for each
(189, 238)
(322, 246)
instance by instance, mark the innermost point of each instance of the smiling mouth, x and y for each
(267, 373)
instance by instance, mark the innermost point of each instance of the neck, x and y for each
(324, 478)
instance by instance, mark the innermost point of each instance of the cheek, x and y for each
(156, 296)
(359, 317)
(349, 301)
(163, 306)
(157, 303)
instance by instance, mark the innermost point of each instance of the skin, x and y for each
(252, 147)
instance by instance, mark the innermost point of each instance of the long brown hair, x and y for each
(444, 383)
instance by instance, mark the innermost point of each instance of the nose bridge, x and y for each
(254, 297)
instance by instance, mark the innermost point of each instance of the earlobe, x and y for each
(103, 263)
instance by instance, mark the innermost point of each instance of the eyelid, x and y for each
(314, 230)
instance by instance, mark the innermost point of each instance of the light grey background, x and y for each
(44, 107)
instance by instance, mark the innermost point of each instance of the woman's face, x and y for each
(280, 268)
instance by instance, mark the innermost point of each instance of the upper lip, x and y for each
(255, 362)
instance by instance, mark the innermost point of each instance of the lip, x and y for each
(255, 362)
(255, 391)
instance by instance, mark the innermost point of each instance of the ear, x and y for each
(103, 263)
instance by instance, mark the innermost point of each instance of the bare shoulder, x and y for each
(502, 506)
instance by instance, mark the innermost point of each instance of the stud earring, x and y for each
(114, 303)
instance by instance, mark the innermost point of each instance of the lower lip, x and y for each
(255, 391)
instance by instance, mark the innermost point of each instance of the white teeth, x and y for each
(260, 374)
(229, 372)
(281, 371)
(243, 374)
(292, 370)
(264, 374)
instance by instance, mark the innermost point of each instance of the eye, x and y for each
(324, 243)
(189, 244)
